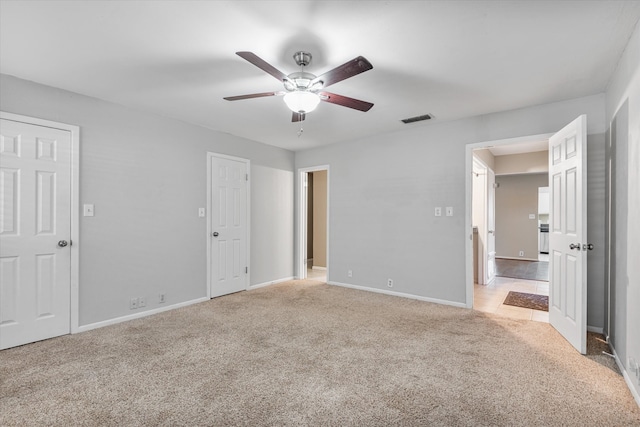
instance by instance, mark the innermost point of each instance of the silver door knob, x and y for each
(62, 243)
(575, 246)
(587, 246)
(215, 234)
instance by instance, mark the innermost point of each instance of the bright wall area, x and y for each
(383, 191)
(147, 176)
(623, 119)
(535, 162)
(517, 199)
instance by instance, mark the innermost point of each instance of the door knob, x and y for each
(575, 246)
(215, 234)
(62, 243)
(587, 246)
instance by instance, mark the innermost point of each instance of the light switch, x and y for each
(438, 211)
(201, 212)
(449, 211)
(88, 210)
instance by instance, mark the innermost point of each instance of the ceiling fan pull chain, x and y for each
(300, 132)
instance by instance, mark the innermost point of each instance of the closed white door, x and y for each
(35, 230)
(229, 267)
(568, 233)
(491, 226)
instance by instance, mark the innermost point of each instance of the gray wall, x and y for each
(623, 153)
(384, 189)
(516, 198)
(147, 177)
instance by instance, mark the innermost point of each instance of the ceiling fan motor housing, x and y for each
(302, 58)
(299, 81)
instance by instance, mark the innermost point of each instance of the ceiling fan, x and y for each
(304, 91)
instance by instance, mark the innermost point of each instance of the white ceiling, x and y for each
(447, 58)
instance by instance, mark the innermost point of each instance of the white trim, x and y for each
(139, 315)
(272, 282)
(75, 208)
(316, 267)
(595, 329)
(627, 378)
(519, 258)
(468, 201)
(302, 218)
(210, 155)
(399, 294)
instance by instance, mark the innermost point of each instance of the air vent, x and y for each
(417, 119)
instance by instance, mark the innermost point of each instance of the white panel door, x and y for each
(491, 226)
(229, 226)
(35, 230)
(568, 233)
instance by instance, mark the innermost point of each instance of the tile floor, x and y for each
(489, 298)
(317, 274)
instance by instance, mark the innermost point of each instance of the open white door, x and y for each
(491, 227)
(568, 233)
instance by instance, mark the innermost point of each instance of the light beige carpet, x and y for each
(305, 353)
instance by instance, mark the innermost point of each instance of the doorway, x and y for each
(489, 287)
(314, 223)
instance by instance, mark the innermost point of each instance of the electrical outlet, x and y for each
(161, 298)
(438, 211)
(390, 283)
(449, 210)
(133, 304)
(201, 212)
(350, 273)
(142, 302)
(521, 253)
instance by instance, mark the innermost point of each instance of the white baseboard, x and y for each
(400, 294)
(316, 267)
(595, 329)
(627, 378)
(138, 315)
(272, 282)
(517, 258)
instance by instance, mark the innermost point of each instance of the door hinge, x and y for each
(246, 270)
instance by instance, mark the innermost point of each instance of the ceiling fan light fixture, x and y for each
(301, 101)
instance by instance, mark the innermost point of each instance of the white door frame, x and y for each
(75, 206)
(302, 218)
(482, 255)
(211, 155)
(468, 199)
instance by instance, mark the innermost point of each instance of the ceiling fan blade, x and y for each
(297, 117)
(349, 69)
(253, 95)
(345, 101)
(263, 65)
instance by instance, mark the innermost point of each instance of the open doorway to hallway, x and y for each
(314, 223)
(510, 272)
